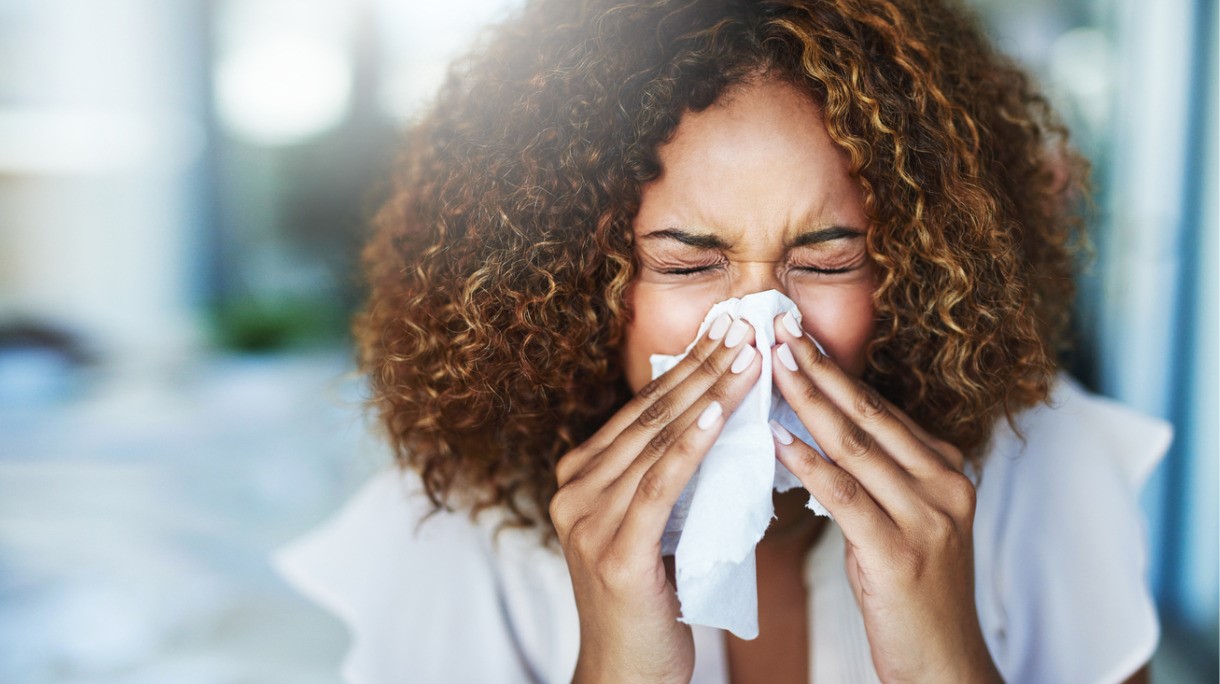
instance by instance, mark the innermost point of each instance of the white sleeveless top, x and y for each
(1060, 571)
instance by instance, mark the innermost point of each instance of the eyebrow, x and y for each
(711, 241)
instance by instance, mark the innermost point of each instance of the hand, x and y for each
(906, 512)
(615, 494)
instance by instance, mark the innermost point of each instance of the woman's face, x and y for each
(753, 196)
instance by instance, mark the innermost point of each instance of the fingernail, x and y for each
(719, 326)
(791, 325)
(737, 333)
(785, 356)
(744, 357)
(709, 415)
(781, 434)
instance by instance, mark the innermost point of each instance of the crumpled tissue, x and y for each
(726, 507)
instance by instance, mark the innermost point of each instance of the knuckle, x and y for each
(810, 459)
(682, 450)
(856, 442)
(653, 390)
(940, 527)
(939, 536)
(665, 437)
(711, 368)
(614, 570)
(718, 392)
(567, 467)
(581, 539)
(657, 413)
(961, 494)
(590, 539)
(845, 488)
(812, 393)
(869, 404)
(652, 485)
(558, 509)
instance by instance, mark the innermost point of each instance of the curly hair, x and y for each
(498, 265)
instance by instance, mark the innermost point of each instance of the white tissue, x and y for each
(726, 507)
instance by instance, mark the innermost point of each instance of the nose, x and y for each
(757, 276)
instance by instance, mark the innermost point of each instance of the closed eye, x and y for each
(689, 271)
(806, 269)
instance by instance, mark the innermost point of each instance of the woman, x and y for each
(588, 184)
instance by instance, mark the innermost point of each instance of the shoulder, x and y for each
(412, 587)
(1078, 465)
(1079, 436)
(1061, 542)
(382, 532)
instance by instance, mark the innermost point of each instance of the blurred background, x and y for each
(184, 186)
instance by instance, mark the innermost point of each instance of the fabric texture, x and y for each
(1060, 571)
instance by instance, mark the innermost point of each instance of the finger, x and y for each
(952, 455)
(710, 341)
(728, 392)
(909, 422)
(844, 496)
(659, 487)
(846, 441)
(861, 404)
(660, 423)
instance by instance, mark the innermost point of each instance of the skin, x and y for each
(754, 193)
(756, 171)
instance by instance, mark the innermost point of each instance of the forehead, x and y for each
(758, 160)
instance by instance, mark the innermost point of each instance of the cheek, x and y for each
(664, 322)
(842, 321)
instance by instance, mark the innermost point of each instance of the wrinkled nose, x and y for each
(757, 276)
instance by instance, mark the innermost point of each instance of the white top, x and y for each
(1060, 571)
